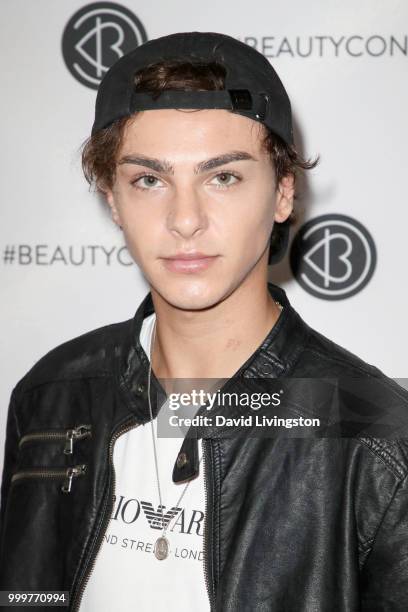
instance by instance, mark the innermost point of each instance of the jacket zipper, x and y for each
(69, 435)
(104, 523)
(206, 561)
(105, 517)
(67, 473)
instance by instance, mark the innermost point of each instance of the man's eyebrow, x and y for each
(166, 168)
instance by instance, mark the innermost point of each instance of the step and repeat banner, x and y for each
(64, 266)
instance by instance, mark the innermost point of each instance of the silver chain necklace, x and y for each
(162, 545)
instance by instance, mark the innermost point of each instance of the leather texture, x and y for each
(292, 524)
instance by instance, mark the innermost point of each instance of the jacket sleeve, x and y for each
(384, 576)
(9, 464)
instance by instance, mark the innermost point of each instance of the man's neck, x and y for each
(212, 343)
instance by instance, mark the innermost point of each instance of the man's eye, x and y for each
(224, 179)
(146, 181)
(150, 181)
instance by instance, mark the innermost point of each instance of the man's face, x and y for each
(174, 195)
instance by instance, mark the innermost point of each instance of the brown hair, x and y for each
(99, 152)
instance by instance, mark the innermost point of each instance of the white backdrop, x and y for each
(349, 98)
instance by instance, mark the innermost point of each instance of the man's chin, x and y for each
(191, 295)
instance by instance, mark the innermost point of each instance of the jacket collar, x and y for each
(275, 357)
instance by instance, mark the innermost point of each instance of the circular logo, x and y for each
(333, 256)
(96, 37)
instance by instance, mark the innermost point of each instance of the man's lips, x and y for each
(190, 255)
(189, 262)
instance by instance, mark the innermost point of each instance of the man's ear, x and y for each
(110, 198)
(284, 198)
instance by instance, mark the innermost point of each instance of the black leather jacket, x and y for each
(291, 525)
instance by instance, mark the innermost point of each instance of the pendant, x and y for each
(161, 548)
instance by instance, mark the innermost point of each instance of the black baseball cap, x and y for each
(252, 88)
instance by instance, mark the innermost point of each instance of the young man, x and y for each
(192, 146)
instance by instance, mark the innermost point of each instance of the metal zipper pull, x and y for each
(52, 435)
(79, 432)
(69, 442)
(70, 474)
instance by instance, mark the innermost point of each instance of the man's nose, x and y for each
(186, 215)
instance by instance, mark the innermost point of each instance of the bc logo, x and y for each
(333, 256)
(96, 36)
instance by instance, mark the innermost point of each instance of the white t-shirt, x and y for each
(127, 576)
